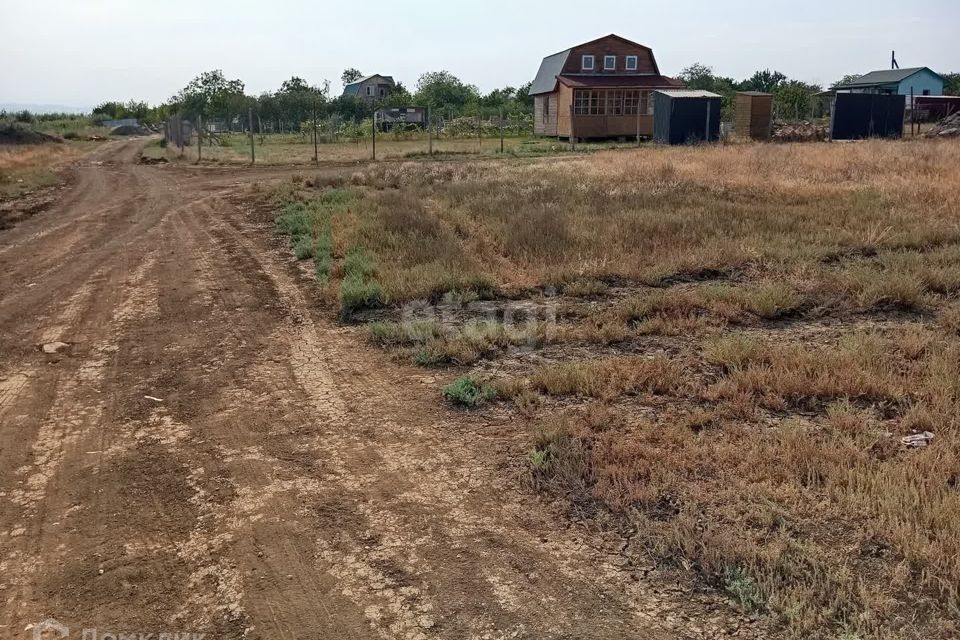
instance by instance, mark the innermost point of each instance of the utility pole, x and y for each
(199, 138)
(253, 154)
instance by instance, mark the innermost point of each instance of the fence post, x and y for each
(479, 133)
(373, 131)
(639, 100)
(501, 130)
(199, 138)
(429, 134)
(253, 154)
(316, 150)
(573, 138)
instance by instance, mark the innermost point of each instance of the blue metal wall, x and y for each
(920, 81)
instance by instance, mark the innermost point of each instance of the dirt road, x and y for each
(210, 453)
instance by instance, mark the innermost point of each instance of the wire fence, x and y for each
(409, 131)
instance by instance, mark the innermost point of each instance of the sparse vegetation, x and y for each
(468, 392)
(729, 343)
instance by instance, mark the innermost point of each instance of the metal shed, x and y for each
(754, 115)
(867, 115)
(681, 117)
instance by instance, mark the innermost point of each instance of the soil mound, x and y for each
(129, 130)
(21, 133)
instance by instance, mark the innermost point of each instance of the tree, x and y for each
(443, 90)
(350, 76)
(793, 99)
(847, 79)
(209, 95)
(951, 84)
(766, 81)
(700, 76)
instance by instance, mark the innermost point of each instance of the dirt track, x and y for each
(212, 454)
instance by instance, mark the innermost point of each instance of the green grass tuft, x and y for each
(467, 392)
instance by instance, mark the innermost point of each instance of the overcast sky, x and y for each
(81, 52)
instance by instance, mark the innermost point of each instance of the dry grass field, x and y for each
(712, 351)
(26, 168)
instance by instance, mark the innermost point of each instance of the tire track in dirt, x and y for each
(72, 419)
(422, 500)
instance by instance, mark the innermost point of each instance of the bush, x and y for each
(357, 293)
(467, 392)
(302, 247)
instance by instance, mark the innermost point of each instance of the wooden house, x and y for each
(598, 89)
(372, 88)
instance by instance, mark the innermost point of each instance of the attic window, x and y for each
(369, 91)
(587, 63)
(631, 63)
(609, 63)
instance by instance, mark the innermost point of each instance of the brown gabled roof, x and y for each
(546, 80)
(617, 82)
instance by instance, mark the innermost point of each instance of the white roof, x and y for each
(688, 93)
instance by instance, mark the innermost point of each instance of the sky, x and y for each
(82, 52)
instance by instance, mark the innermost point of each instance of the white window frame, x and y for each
(613, 66)
(632, 62)
(585, 59)
(369, 91)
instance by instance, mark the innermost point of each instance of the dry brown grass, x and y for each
(25, 168)
(745, 334)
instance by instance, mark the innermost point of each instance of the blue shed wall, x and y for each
(921, 81)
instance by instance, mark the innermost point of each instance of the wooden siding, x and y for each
(612, 126)
(545, 126)
(610, 47)
(564, 103)
(753, 116)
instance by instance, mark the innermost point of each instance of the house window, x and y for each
(581, 102)
(609, 63)
(926, 92)
(546, 108)
(631, 102)
(369, 91)
(383, 92)
(647, 100)
(631, 63)
(587, 63)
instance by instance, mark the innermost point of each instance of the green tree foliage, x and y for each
(443, 90)
(951, 84)
(766, 81)
(211, 95)
(700, 76)
(793, 99)
(350, 75)
(850, 77)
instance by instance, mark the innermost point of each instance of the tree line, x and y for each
(213, 96)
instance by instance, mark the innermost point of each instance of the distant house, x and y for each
(921, 80)
(372, 88)
(598, 89)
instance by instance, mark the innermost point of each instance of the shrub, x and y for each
(357, 293)
(467, 392)
(303, 247)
